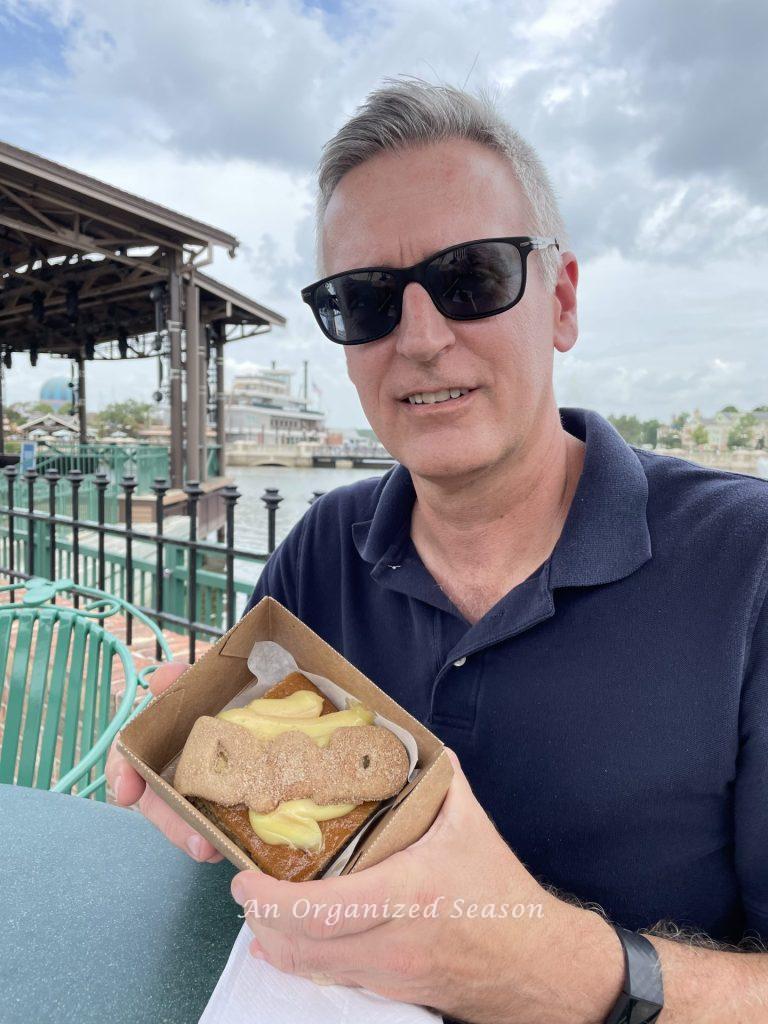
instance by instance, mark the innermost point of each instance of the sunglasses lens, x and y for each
(358, 307)
(476, 280)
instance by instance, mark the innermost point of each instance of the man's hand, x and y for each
(454, 922)
(128, 786)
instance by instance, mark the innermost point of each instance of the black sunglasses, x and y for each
(466, 282)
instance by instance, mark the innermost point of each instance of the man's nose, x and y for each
(423, 331)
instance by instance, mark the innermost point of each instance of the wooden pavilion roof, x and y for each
(79, 258)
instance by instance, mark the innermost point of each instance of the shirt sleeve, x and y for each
(751, 790)
(280, 577)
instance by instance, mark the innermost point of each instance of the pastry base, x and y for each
(279, 861)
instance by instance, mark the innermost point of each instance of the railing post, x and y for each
(271, 498)
(52, 476)
(75, 478)
(193, 490)
(11, 473)
(129, 486)
(101, 480)
(315, 496)
(230, 495)
(159, 487)
(30, 476)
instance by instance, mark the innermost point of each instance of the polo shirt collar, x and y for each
(605, 536)
(392, 503)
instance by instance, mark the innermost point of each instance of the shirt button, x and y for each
(460, 662)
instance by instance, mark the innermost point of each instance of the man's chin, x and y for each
(445, 465)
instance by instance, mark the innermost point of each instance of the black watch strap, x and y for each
(642, 1000)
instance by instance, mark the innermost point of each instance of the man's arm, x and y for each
(563, 964)
(707, 982)
(463, 927)
(704, 980)
(553, 964)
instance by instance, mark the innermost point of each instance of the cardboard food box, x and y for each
(152, 741)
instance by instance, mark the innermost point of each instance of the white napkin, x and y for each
(251, 991)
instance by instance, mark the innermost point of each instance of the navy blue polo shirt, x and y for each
(611, 711)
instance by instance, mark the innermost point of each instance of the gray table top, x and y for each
(102, 919)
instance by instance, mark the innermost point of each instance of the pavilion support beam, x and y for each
(192, 396)
(81, 397)
(2, 412)
(74, 240)
(203, 403)
(221, 436)
(175, 374)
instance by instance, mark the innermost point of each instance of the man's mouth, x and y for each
(434, 397)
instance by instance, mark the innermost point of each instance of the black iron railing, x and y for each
(176, 589)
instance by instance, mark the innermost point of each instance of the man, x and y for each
(583, 623)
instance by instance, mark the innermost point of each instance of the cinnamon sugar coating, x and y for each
(227, 763)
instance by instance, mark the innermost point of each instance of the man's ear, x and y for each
(565, 321)
(347, 367)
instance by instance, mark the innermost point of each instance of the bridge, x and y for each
(352, 457)
(305, 454)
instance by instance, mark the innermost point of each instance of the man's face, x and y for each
(395, 210)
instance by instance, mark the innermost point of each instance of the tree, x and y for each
(42, 409)
(651, 432)
(729, 408)
(700, 435)
(669, 439)
(16, 416)
(679, 420)
(741, 436)
(760, 408)
(636, 431)
(629, 427)
(129, 416)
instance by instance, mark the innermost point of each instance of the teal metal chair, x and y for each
(57, 690)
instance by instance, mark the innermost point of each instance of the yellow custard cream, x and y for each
(319, 729)
(301, 704)
(294, 823)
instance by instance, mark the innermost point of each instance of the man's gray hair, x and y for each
(408, 112)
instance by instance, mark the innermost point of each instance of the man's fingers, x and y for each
(458, 800)
(129, 787)
(126, 784)
(331, 907)
(175, 829)
(168, 673)
(348, 960)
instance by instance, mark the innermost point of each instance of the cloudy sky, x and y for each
(649, 114)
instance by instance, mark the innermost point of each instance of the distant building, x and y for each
(719, 427)
(52, 426)
(262, 407)
(56, 392)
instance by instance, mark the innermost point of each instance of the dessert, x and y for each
(290, 778)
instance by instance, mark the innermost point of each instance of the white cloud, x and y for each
(219, 109)
(655, 339)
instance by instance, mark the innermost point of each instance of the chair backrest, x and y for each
(57, 696)
(57, 663)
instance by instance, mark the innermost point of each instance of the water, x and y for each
(295, 487)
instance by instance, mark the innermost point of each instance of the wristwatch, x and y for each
(642, 1000)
